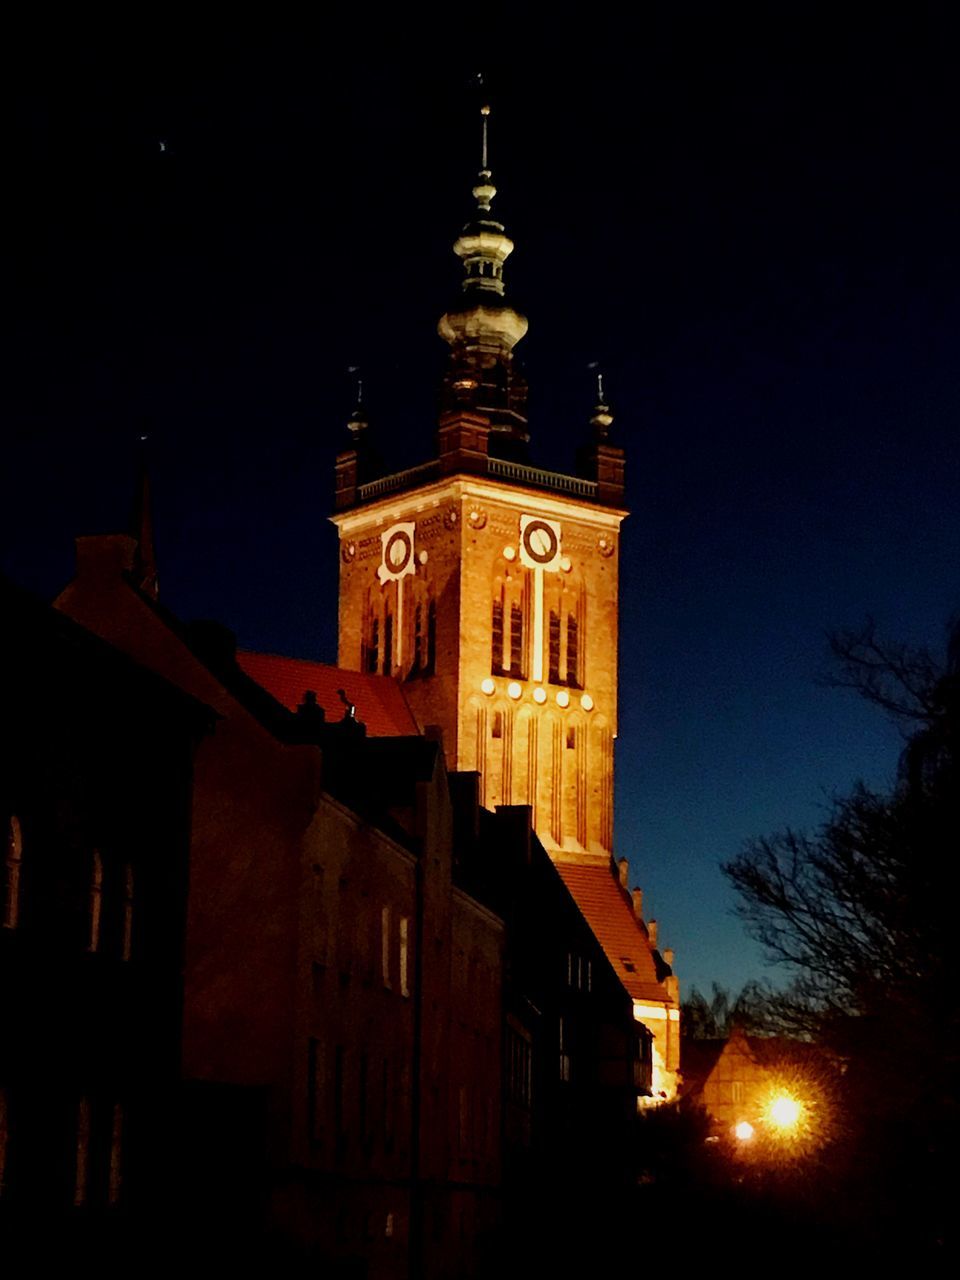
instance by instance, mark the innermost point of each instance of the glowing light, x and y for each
(565, 564)
(422, 557)
(563, 698)
(487, 686)
(513, 689)
(540, 695)
(743, 1131)
(784, 1112)
(509, 553)
(586, 702)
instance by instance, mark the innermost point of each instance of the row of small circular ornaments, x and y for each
(515, 690)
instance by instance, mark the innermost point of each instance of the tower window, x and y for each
(497, 729)
(573, 652)
(388, 644)
(516, 639)
(571, 737)
(554, 671)
(373, 649)
(496, 629)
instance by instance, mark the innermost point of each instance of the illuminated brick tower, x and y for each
(488, 586)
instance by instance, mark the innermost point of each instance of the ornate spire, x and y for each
(483, 329)
(357, 423)
(601, 419)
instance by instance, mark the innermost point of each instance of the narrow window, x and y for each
(83, 1153)
(126, 945)
(388, 644)
(589, 975)
(12, 864)
(115, 1182)
(496, 661)
(385, 945)
(573, 652)
(554, 675)
(431, 639)
(564, 1054)
(572, 737)
(496, 730)
(96, 901)
(404, 956)
(373, 649)
(516, 639)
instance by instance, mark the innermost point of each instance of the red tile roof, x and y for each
(379, 700)
(605, 907)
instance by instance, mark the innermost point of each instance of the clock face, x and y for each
(539, 542)
(397, 554)
(398, 551)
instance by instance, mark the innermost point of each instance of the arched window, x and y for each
(554, 666)
(496, 630)
(126, 943)
(516, 639)
(96, 901)
(12, 862)
(573, 651)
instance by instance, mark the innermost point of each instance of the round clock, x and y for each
(540, 542)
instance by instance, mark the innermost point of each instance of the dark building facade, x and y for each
(95, 806)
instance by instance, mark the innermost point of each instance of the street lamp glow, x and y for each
(784, 1111)
(743, 1131)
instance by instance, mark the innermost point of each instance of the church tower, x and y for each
(487, 585)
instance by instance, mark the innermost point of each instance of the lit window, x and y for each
(564, 1053)
(404, 956)
(385, 945)
(12, 863)
(96, 901)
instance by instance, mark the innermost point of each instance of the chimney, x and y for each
(668, 956)
(652, 932)
(623, 868)
(638, 904)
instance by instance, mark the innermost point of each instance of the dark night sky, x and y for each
(749, 216)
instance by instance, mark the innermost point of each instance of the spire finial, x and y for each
(484, 112)
(601, 419)
(358, 419)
